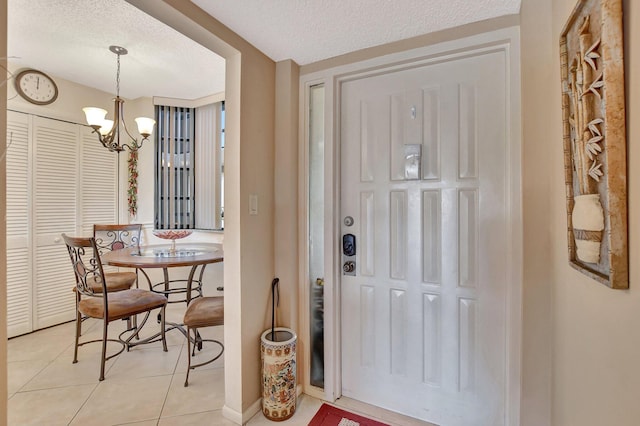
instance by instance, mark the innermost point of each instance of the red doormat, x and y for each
(328, 415)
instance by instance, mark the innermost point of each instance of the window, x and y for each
(175, 178)
(189, 177)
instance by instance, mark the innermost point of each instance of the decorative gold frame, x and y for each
(594, 137)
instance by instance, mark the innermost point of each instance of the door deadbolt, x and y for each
(349, 245)
(349, 254)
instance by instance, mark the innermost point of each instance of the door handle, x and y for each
(349, 267)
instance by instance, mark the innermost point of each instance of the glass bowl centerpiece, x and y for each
(173, 235)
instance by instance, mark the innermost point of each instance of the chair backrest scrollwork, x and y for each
(86, 263)
(116, 237)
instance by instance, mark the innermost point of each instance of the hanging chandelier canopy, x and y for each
(109, 130)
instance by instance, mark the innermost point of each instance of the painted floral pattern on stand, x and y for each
(278, 380)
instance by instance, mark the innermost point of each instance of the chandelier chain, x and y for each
(118, 78)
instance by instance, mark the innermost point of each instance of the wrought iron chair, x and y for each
(116, 237)
(100, 303)
(202, 312)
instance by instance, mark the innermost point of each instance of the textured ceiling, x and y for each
(311, 30)
(70, 38)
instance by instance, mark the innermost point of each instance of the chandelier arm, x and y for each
(110, 140)
(104, 140)
(124, 124)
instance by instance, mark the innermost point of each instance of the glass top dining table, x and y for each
(165, 256)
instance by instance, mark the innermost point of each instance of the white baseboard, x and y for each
(242, 418)
(231, 414)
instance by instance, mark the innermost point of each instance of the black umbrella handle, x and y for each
(275, 292)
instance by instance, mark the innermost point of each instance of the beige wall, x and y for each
(596, 343)
(581, 342)
(249, 170)
(3, 221)
(286, 197)
(540, 106)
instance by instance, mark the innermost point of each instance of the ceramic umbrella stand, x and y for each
(278, 355)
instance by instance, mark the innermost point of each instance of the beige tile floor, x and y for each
(142, 387)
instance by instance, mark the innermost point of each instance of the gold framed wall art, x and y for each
(594, 139)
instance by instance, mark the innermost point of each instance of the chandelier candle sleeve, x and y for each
(107, 126)
(95, 116)
(145, 126)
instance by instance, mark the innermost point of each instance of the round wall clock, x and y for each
(36, 87)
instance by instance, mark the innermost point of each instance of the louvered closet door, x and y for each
(98, 182)
(55, 211)
(18, 261)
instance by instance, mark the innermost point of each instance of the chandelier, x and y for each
(109, 130)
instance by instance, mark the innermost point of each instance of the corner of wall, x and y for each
(3, 215)
(537, 64)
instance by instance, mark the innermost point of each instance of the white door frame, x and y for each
(506, 40)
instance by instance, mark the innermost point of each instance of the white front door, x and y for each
(424, 175)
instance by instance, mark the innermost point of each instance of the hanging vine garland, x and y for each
(132, 191)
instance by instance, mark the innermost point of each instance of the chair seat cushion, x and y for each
(205, 312)
(116, 281)
(122, 304)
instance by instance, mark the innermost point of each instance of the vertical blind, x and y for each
(175, 182)
(209, 173)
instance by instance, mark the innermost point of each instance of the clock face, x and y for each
(36, 87)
